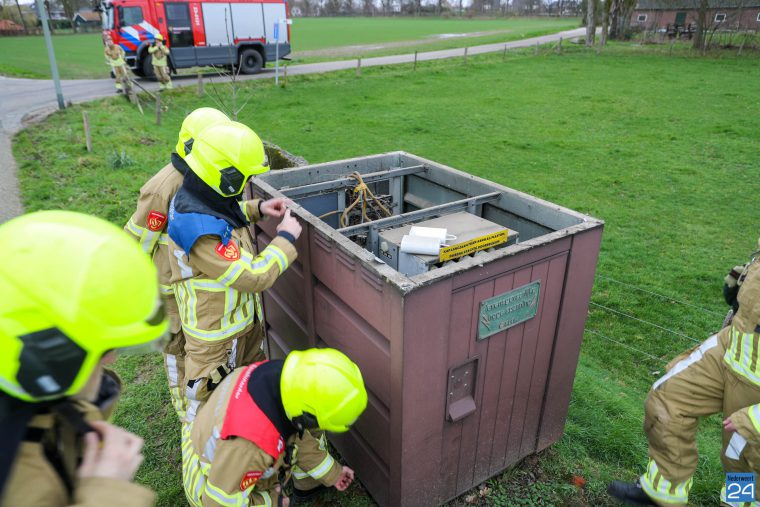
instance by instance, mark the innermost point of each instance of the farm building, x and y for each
(86, 20)
(655, 15)
(8, 27)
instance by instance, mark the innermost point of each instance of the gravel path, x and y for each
(24, 101)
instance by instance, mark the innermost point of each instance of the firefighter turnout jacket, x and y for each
(115, 55)
(148, 226)
(217, 280)
(233, 454)
(720, 375)
(158, 54)
(44, 470)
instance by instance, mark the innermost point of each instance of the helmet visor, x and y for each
(231, 181)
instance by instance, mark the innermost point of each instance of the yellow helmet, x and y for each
(194, 122)
(224, 156)
(160, 37)
(74, 287)
(322, 388)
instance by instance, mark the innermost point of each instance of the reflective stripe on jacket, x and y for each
(742, 354)
(217, 287)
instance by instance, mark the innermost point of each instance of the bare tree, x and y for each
(699, 34)
(605, 6)
(21, 16)
(590, 22)
(620, 17)
(233, 110)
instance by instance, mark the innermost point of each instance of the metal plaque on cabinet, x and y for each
(509, 309)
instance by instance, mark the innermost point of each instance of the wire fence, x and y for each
(628, 316)
(662, 296)
(625, 345)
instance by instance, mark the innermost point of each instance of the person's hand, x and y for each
(284, 501)
(117, 456)
(290, 225)
(274, 207)
(345, 479)
(728, 425)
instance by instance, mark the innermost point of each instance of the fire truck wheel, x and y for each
(251, 61)
(147, 68)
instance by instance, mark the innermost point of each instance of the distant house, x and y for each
(86, 20)
(721, 14)
(8, 27)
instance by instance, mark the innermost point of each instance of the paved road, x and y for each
(22, 99)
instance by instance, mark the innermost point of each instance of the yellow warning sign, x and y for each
(474, 245)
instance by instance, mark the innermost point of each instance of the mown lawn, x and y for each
(81, 56)
(664, 149)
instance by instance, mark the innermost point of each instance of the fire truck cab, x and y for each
(200, 32)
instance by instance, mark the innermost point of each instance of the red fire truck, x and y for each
(200, 32)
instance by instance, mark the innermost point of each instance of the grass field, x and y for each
(663, 149)
(81, 56)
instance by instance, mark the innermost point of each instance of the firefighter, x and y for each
(258, 428)
(64, 314)
(159, 52)
(115, 58)
(215, 274)
(720, 375)
(148, 226)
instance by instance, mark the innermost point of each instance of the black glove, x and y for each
(731, 286)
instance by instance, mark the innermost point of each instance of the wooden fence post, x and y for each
(504, 56)
(535, 51)
(87, 136)
(415, 60)
(200, 84)
(359, 67)
(465, 55)
(285, 76)
(559, 46)
(158, 109)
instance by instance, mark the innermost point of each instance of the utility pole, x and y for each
(51, 54)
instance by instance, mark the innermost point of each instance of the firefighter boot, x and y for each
(630, 493)
(308, 496)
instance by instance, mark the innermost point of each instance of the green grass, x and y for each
(78, 56)
(417, 34)
(663, 149)
(321, 33)
(81, 56)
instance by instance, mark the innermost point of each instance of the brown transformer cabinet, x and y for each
(469, 366)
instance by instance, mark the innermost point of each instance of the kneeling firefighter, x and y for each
(216, 277)
(64, 313)
(148, 225)
(264, 422)
(720, 375)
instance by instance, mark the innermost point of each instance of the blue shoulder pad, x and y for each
(186, 228)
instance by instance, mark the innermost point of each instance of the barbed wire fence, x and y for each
(624, 316)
